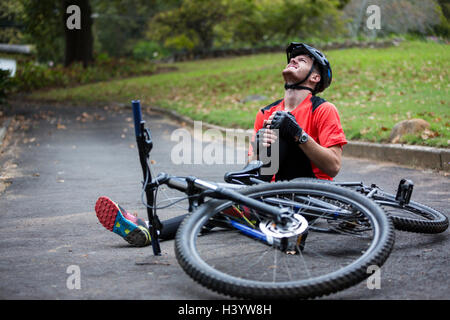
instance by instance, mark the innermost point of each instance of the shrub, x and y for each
(31, 75)
(149, 50)
(5, 84)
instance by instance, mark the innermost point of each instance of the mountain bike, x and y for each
(406, 215)
(264, 241)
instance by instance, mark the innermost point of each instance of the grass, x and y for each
(373, 89)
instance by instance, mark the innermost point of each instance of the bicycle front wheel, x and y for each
(222, 258)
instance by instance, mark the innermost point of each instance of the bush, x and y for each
(149, 50)
(31, 75)
(5, 84)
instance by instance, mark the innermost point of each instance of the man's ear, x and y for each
(315, 77)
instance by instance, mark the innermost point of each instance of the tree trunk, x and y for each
(79, 41)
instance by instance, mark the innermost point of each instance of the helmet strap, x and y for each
(298, 85)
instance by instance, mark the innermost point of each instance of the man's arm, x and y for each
(326, 159)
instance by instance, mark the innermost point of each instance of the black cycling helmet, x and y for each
(297, 48)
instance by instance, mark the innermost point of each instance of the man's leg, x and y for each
(134, 230)
(116, 219)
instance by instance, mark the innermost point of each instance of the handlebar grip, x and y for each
(137, 115)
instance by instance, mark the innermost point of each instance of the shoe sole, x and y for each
(109, 215)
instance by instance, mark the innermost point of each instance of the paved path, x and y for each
(57, 161)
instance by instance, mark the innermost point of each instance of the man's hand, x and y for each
(287, 124)
(266, 136)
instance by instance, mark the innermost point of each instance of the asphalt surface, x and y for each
(56, 162)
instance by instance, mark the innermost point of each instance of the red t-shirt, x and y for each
(320, 120)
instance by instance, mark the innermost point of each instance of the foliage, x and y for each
(11, 12)
(443, 29)
(32, 76)
(44, 27)
(192, 24)
(5, 84)
(202, 25)
(119, 24)
(123, 27)
(149, 50)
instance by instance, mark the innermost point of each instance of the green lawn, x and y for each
(373, 89)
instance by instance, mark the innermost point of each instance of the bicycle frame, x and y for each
(250, 175)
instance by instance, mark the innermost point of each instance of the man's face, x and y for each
(297, 68)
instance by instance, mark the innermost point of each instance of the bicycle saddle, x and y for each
(252, 168)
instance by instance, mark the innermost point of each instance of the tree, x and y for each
(192, 24)
(120, 24)
(46, 26)
(10, 27)
(43, 27)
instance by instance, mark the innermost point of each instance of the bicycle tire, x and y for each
(412, 217)
(214, 268)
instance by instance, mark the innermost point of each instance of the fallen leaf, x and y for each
(426, 134)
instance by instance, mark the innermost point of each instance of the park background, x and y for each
(220, 61)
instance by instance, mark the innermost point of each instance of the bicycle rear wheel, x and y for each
(412, 217)
(225, 260)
